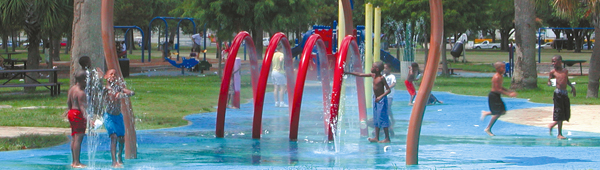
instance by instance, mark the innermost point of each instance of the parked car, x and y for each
(63, 43)
(585, 46)
(544, 46)
(486, 45)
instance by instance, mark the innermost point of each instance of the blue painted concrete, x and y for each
(452, 137)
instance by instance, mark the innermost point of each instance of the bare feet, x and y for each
(560, 137)
(484, 114)
(550, 129)
(117, 165)
(372, 140)
(489, 132)
(78, 165)
(385, 141)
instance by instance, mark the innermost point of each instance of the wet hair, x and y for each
(80, 76)
(414, 65)
(379, 65)
(558, 57)
(499, 64)
(85, 61)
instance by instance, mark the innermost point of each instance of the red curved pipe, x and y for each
(264, 75)
(301, 79)
(416, 117)
(222, 105)
(338, 79)
(112, 62)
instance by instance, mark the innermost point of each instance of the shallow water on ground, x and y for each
(452, 137)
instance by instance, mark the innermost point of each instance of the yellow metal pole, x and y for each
(341, 32)
(377, 37)
(368, 53)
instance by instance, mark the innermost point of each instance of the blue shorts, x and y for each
(114, 124)
(381, 118)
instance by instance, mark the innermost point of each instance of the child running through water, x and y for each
(413, 71)
(380, 91)
(497, 107)
(562, 103)
(113, 119)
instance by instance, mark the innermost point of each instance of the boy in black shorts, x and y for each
(497, 107)
(562, 103)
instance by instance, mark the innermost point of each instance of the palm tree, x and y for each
(569, 8)
(525, 74)
(32, 14)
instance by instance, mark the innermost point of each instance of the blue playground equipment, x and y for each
(186, 63)
(164, 19)
(127, 31)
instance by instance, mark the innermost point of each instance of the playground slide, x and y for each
(388, 58)
(298, 49)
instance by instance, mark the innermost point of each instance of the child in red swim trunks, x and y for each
(76, 103)
(413, 71)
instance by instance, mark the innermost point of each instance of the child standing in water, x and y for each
(380, 91)
(76, 103)
(496, 104)
(413, 71)
(391, 80)
(113, 119)
(562, 104)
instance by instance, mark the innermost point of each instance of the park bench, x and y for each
(451, 70)
(53, 85)
(573, 62)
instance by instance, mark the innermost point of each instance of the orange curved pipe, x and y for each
(228, 71)
(112, 62)
(259, 98)
(416, 117)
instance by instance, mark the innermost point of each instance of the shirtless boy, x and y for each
(562, 104)
(497, 107)
(76, 103)
(113, 119)
(380, 91)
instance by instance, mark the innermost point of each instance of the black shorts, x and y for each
(496, 104)
(562, 107)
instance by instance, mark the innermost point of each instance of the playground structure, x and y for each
(127, 31)
(348, 46)
(347, 58)
(164, 19)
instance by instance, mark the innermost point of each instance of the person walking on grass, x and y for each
(380, 91)
(496, 105)
(562, 103)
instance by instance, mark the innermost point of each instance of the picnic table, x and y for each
(9, 54)
(53, 85)
(10, 63)
(573, 62)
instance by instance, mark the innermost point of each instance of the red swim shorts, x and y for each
(410, 87)
(78, 122)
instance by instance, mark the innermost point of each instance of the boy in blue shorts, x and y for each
(381, 89)
(113, 119)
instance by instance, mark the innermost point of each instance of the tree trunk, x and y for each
(219, 44)
(87, 35)
(69, 42)
(5, 42)
(55, 50)
(444, 59)
(14, 40)
(525, 72)
(594, 71)
(33, 29)
(504, 35)
(257, 36)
